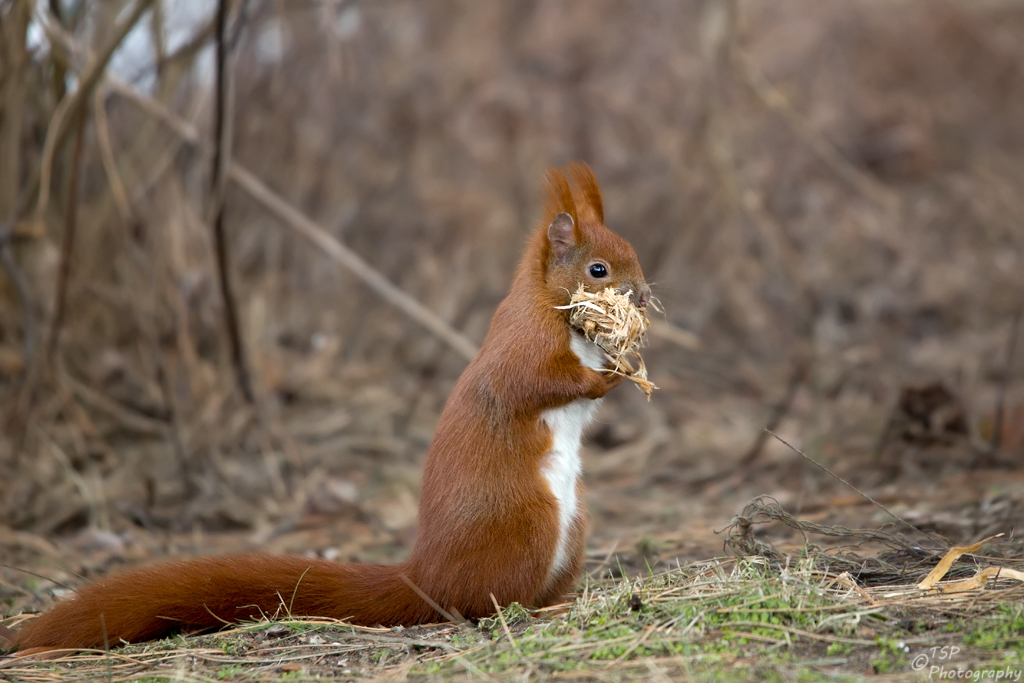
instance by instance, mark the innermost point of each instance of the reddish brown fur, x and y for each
(586, 184)
(488, 521)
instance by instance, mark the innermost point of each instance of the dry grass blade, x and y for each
(723, 603)
(609, 319)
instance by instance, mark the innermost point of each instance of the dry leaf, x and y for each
(935, 575)
(978, 581)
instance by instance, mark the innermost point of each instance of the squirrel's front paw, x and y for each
(612, 379)
(603, 381)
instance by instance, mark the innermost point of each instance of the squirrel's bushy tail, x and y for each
(208, 592)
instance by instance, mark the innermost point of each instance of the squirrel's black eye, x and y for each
(598, 270)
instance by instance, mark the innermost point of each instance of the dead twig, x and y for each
(126, 417)
(221, 159)
(16, 59)
(21, 286)
(106, 149)
(73, 105)
(309, 229)
(67, 244)
(124, 207)
(338, 252)
(860, 493)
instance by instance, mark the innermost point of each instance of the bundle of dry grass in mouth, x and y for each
(610, 320)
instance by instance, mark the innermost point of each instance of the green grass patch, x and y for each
(720, 620)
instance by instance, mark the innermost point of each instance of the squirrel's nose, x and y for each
(643, 295)
(639, 295)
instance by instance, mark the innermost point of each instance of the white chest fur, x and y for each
(562, 466)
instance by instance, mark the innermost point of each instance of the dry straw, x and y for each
(609, 319)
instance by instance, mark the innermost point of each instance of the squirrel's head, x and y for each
(577, 246)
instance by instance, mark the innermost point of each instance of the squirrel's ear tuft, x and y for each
(561, 235)
(560, 199)
(588, 199)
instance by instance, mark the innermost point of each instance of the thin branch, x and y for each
(114, 181)
(48, 579)
(857, 490)
(16, 58)
(241, 16)
(308, 228)
(125, 416)
(21, 285)
(67, 244)
(330, 245)
(124, 206)
(73, 104)
(157, 23)
(221, 158)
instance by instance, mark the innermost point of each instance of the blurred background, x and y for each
(827, 197)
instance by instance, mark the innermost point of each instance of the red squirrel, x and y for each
(501, 511)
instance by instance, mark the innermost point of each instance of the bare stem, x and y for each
(221, 158)
(67, 243)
